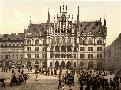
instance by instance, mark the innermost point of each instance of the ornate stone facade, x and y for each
(65, 43)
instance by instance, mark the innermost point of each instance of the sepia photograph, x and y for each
(60, 45)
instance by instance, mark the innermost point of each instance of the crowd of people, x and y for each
(87, 79)
(97, 81)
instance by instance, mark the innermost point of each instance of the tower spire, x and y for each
(78, 17)
(60, 9)
(30, 20)
(48, 21)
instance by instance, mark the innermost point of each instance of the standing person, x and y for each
(51, 71)
(63, 88)
(81, 84)
(31, 69)
(12, 71)
(36, 77)
(59, 85)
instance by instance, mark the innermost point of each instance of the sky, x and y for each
(15, 14)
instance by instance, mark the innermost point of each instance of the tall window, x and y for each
(36, 41)
(82, 56)
(51, 55)
(75, 49)
(90, 41)
(90, 56)
(90, 48)
(63, 55)
(82, 48)
(36, 48)
(44, 49)
(44, 55)
(63, 48)
(99, 41)
(28, 48)
(6, 56)
(16, 56)
(69, 56)
(28, 41)
(99, 56)
(29, 55)
(57, 48)
(74, 55)
(57, 55)
(69, 48)
(36, 55)
(99, 48)
(69, 40)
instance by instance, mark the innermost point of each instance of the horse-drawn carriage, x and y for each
(14, 80)
(19, 79)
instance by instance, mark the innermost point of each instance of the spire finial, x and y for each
(60, 9)
(30, 19)
(72, 16)
(54, 18)
(66, 7)
(63, 6)
(104, 21)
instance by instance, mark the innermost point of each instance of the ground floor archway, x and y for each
(99, 65)
(81, 64)
(50, 64)
(74, 64)
(90, 65)
(36, 64)
(57, 64)
(44, 64)
(68, 65)
(29, 64)
(63, 64)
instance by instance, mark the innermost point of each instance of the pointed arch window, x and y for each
(99, 41)
(90, 41)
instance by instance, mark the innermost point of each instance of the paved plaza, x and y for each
(43, 82)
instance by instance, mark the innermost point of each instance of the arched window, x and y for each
(63, 40)
(57, 40)
(36, 41)
(99, 41)
(69, 40)
(53, 41)
(90, 41)
(28, 41)
(57, 48)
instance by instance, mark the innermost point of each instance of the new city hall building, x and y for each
(64, 42)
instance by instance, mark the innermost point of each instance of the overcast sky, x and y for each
(15, 14)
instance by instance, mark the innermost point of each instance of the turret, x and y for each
(48, 21)
(78, 17)
(104, 23)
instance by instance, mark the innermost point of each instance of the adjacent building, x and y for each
(11, 49)
(113, 55)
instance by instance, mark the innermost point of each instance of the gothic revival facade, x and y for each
(65, 43)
